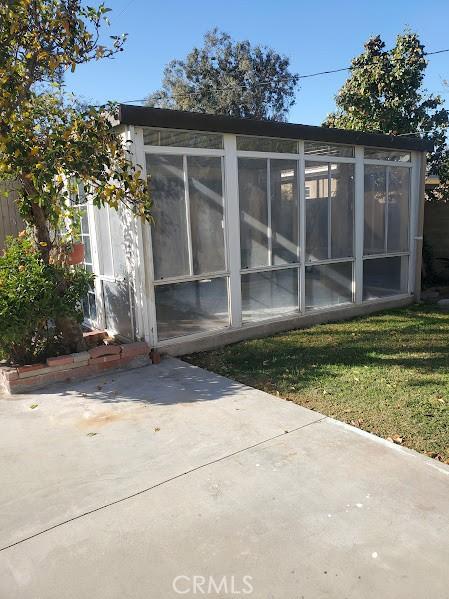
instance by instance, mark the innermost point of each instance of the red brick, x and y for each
(24, 382)
(140, 348)
(103, 359)
(93, 338)
(95, 333)
(104, 350)
(155, 357)
(60, 361)
(82, 356)
(29, 368)
(82, 372)
(107, 366)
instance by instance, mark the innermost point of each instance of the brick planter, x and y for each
(23, 379)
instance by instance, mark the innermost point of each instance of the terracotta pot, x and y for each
(77, 254)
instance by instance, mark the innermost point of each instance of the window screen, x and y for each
(387, 196)
(191, 307)
(269, 294)
(268, 195)
(184, 139)
(188, 229)
(329, 210)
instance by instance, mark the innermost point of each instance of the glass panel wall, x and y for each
(253, 197)
(387, 191)
(113, 285)
(78, 200)
(206, 213)
(383, 277)
(191, 307)
(188, 237)
(398, 209)
(329, 192)
(189, 190)
(188, 230)
(313, 147)
(375, 213)
(392, 155)
(269, 236)
(117, 307)
(328, 285)
(317, 210)
(266, 144)
(183, 139)
(268, 212)
(284, 211)
(268, 294)
(169, 232)
(386, 229)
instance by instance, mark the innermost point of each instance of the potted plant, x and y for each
(76, 255)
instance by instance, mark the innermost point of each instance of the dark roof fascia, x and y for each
(176, 119)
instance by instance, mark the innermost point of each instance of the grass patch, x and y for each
(387, 373)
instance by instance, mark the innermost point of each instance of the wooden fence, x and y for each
(10, 221)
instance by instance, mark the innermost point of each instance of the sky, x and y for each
(316, 36)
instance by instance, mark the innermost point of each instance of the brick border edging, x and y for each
(83, 365)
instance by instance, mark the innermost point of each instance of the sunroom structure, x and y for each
(258, 227)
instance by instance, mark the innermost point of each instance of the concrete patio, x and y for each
(132, 485)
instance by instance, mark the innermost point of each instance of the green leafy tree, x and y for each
(47, 139)
(384, 94)
(228, 77)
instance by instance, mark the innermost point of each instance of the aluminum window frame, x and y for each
(388, 165)
(301, 158)
(184, 153)
(233, 272)
(268, 156)
(91, 236)
(411, 205)
(171, 129)
(327, 160)
(353, 299)
(324, 261)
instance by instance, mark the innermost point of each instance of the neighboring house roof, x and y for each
(196, 121)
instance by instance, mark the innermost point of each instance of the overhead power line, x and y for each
(307, 76)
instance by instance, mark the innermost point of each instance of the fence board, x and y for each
(10, 221)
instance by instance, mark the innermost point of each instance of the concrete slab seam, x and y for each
(159, 484)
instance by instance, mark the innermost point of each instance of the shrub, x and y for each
(33, 296)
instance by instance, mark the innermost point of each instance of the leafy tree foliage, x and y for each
(228, 77)
(384, 94)
(47, 139)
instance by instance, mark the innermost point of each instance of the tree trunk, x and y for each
(72, 335)
(41, 231)
(69, 328)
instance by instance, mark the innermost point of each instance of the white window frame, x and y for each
(268, 156)
(413, 200)
(233, 271)
(191, 277)
(329, 159)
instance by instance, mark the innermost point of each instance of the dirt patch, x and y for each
(104, 417)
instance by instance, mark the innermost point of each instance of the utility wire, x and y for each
(307, 76)
(124, 9)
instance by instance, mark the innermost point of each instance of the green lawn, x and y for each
(387, 373)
